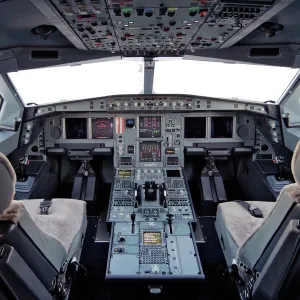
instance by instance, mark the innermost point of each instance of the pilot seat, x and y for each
(260, 239)
(47, 235)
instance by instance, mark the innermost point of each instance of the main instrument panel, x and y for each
(152, 129)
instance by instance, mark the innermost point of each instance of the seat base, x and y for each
(234, 224)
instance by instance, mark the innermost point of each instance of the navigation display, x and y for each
(150, 151)
(152, 238)
(102, 128)
(76, 128)
(221, 127)
(195, 128)
(150, 127)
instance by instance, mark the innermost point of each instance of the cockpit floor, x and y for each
(94, 257)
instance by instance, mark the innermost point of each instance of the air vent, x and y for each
(264, 52)
(39, 54)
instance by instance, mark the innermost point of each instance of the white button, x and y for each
(155, 269)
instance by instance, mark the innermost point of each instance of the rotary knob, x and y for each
(28, 126)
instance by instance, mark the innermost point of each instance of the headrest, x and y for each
(7, 183)
(296, 164)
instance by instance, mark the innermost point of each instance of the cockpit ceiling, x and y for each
(209, 29)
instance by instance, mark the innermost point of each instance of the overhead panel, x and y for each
(164, 28)
(91, 22)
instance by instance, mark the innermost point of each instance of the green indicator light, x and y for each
(126, 10)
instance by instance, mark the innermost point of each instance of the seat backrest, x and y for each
(252, 249)
(41, 252)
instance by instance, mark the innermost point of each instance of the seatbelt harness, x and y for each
(44, 206)
(254, 210)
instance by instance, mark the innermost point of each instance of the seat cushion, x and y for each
(66, 222)
(234, 224)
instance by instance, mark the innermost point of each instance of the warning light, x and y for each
(203, 13)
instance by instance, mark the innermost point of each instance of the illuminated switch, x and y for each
(193, 11)
(108, 35)
(171, 12)
(126, 12)
(203, 12)
(149, 13)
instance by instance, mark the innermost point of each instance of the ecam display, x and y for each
(150, 151)
(150, 127)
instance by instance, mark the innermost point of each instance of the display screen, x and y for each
(102, 128)
(124, 173)
(152, 238)
(173, 173)
(195, 127)
(76, 128)
(172, 160)
(221, 127)
(150, 127)
(150, 151)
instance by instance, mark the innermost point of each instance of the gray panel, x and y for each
(152, 254)
(11, 108)
(152, 103)
(290, 105)
(125, 265)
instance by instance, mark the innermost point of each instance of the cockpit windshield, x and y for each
(96, 79)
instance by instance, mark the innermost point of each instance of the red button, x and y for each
(203, 12)
(166, 29)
